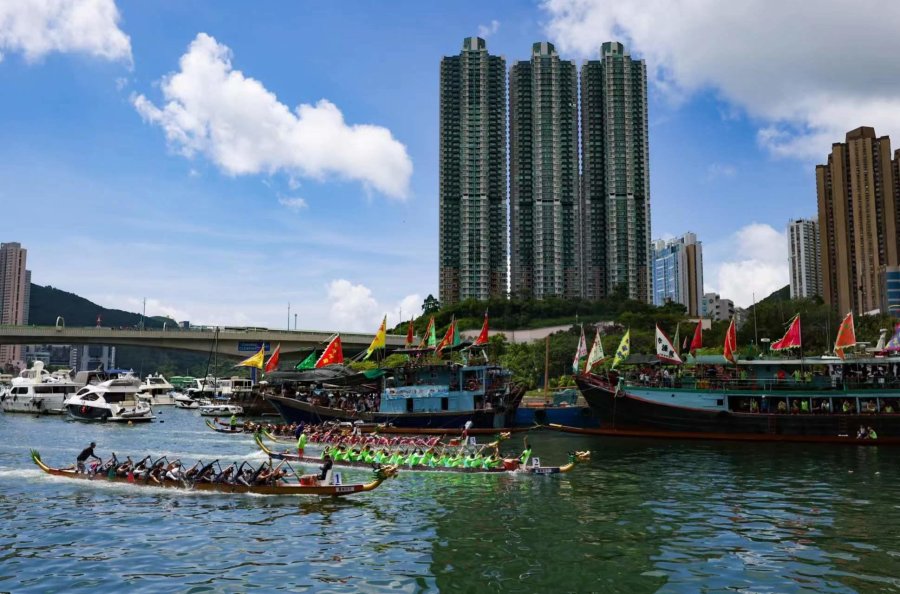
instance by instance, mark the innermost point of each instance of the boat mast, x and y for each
(547, 365)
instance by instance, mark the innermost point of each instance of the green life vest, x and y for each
(526, 454)
(301, 442)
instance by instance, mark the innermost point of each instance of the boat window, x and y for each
(445, 403)
(409, 405)
(20, 390)
(82, 391)
(720, 402)
(90, 397)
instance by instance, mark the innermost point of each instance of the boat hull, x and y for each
(103, 415)
(41, 405)
(572, 416)
(298, 411)
(633, 410)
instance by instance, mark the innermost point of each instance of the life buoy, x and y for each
(83, 409)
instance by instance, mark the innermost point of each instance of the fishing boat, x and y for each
(323, 488)
(420, 398)
(760, 398)
(509, 465)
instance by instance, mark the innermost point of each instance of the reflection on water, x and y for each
(640, 517)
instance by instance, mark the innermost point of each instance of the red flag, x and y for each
(333, 353)
(450, 338)
(483, 337)
(791, 338)
(272, 363)
(409, 334)
(846, 336)
(697, 341)
(731, 343)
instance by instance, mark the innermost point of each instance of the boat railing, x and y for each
(816, 383)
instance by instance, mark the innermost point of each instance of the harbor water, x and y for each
(641, 516)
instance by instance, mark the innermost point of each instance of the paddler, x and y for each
(301, 443)
(232, 423)
(86, 453)
(526, 453)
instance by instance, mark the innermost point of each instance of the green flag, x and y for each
(308, 363)
(623, 350)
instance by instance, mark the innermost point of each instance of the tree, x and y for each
(430, 305)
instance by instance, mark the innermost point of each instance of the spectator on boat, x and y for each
(794, 408)
(780, 375)
(804, 406)
(846, 406)
(870, 433)
(888, 407)
(782, 406)
(754, 405)
(764, 405)
(870, 406)
(862, 433)
(826, 406)
(86, 453)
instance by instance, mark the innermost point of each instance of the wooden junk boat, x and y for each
(381, 474)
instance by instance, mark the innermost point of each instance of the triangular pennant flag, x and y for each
(596, 355)
(308, 363)
(272, 363)
(379, 341)
(697, 341)
(410, 334)
(256, 360)
(730, 349)
(333, 353)
(664, 350)
(483, 336)
(428, 337)
(846, 336)
(624, 349)
(580, 353)
(791, 338)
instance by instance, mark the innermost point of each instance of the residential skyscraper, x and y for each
(615, 175)
(15, 296)
(859, 214)
(804, 258)
(545, 257)
(473, 227)
(678, 272)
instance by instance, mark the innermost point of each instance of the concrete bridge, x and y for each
(232, 342)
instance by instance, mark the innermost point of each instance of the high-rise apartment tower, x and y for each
(859, 215)
(545, 257)
(678, 272)
(615, 176)
(473, 227)
(15, 295)
(804, 258)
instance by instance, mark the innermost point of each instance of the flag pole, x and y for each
(546, 366)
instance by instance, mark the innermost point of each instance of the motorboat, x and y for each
(184, 401)
(37, 391)
(220, 410)
(156, 391)
(113, 400)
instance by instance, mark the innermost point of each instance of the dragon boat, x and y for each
(225, 429)
(508, 465)
(381, 474)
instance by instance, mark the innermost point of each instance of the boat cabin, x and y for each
(443, 388)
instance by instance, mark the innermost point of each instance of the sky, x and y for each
(226, 161)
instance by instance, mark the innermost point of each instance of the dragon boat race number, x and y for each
(535, 462)
(337, 482)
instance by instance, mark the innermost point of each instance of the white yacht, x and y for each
(235, 387)
(185, 401)
(112, 399)
(220, 410)
(156, 390)
(37, 391)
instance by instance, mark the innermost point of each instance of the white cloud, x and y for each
(154, 307)
(352, 306)
(757, 265)
(485, 31)
(294, 204)
(409, 307)
(806, 75)
(39, 27)
(212, 109)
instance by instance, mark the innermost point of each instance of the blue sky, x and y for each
(155, 150)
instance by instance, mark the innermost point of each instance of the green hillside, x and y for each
(47, 303)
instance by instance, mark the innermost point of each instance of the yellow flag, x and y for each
(623, 350)
(256, 360)
(379, 340)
